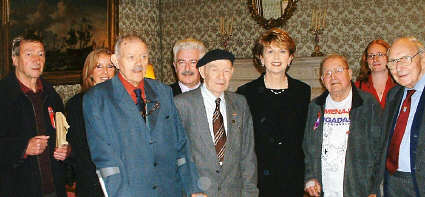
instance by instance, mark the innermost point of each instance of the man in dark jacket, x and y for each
(30, 164)
(343, 139)
(186, 54)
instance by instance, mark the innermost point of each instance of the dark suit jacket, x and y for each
(21, 177)
(84, 169)
(138, 158)
(417, 136)
(176, 88)
(238, 175)
(279, 122)
(364, 146)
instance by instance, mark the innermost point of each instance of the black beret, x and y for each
(216, 54)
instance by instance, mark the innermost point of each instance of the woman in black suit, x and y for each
(279, 106)
(97, 69)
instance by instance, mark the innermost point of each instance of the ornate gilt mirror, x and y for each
(272, 13)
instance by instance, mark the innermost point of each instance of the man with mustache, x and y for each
(135, 135)
(187, 52)
(30, 164)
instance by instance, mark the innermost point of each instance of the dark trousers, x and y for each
(399, 184)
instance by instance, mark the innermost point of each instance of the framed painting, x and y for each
(70, 30)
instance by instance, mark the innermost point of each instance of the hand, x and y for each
(199, 195)
(37, 145)
(313, 189)
(62, 152)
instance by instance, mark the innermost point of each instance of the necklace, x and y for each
(276, 92)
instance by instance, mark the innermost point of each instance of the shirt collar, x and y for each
(130, 87)
(419, 86)
(27, 90)
(185, 88)
(209, 95)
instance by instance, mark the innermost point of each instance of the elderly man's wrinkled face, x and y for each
(405, 73)
(336, 76)
(30, 62)
(132, 60)
(185, 66)
(217, 75)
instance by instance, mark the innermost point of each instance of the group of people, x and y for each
(134, 136)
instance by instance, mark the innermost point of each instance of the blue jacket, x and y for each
(137, 158)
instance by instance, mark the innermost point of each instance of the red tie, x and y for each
(400, 127)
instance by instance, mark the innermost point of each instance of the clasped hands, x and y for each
(38, 144)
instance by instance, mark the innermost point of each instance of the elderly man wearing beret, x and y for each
(219, 126)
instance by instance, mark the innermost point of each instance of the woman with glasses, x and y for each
(97, 69)
(279, 105)
(374, 76)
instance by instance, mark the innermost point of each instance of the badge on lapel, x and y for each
(316, 124)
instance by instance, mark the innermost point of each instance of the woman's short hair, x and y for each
(89, 66)
(273, 36)
(364, 66)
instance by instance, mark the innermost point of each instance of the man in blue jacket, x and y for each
(135, 135)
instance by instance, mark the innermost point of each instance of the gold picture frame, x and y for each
(80, 27)
(264, 11)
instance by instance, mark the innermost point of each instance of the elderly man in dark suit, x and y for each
(134, 131)
(343, 139)
(404, 160)
(219, 126)
(186, 53)
(30, 165)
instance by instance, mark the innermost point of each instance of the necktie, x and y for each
(219, 132)
(140, 103)
(394, 148)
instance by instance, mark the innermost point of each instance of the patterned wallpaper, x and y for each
(350, 26)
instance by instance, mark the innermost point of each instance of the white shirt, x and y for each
(336, 126)
(184, 88)
(209, 102)
(404, 154)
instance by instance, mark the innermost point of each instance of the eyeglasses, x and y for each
(371, 56)
(328, 74)
(405, 60)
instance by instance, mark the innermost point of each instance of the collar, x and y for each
(419, 86)
(27, 90)
(209, 95)
(130, 87)
(185, 88)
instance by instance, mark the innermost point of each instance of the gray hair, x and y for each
(189, 43)
(17, 41)
(333, 56)
(123, 38)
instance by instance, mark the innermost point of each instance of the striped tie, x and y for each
(219, 133)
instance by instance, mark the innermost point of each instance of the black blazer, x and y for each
(82, 165)
(18, 176)
(176, 88)
(279, 122)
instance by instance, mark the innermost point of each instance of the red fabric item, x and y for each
(130, 88)
(368, 87)
(394, 149)
(27, 90)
